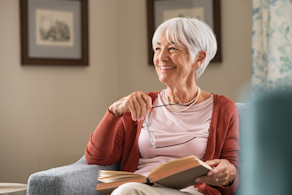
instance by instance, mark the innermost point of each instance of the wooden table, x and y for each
(13, 189)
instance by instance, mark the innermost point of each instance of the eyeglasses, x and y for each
(151, 133)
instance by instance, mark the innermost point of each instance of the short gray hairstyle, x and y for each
(193, 33)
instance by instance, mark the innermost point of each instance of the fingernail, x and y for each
(148, 111)
(209, 174)
(142, 118)
(197, 180)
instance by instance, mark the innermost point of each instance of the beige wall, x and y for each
(233, 75)
(47, 113)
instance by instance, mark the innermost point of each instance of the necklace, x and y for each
(191, 103)
(183, 104)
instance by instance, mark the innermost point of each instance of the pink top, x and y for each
(172, 128)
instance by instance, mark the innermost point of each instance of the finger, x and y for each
(148, 102)
(141, 110)
(219, 181)
(206, 179)
(221, 167)
(224, 173)
(217, 165)
(210, 180)
(219, 175)
(132, 109)
(137, 103)
(222, 181)
(213, 163)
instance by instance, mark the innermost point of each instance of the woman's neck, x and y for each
(183, 94)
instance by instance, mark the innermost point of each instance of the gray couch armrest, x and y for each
(78, 178)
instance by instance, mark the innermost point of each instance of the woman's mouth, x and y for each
(166, 67)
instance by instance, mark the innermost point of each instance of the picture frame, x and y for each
(54, 32)
(207, 10)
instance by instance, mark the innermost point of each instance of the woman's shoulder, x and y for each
(222, 102)
(223, 99)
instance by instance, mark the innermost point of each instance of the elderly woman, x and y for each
(186, 120)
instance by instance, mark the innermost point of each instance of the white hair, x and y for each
(193, 33)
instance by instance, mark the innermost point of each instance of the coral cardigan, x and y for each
(116, 139)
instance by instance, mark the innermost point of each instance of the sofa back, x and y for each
(266, 133)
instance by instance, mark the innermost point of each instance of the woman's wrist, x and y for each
(230, 183)
(234, 174)
(114, 112)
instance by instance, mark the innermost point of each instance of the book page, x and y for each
(111, 176)
(106, 173)
(107, 188)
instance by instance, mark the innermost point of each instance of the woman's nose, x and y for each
(163, 55)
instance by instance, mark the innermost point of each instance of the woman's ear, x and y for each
(201, 56)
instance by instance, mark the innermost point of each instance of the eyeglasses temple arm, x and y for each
(167, 105)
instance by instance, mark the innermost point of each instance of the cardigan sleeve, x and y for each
(230, 149)
(106, 142)
(223, 142)
(115, 139)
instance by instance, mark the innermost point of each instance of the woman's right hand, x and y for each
(138, 103)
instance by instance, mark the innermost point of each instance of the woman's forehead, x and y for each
(170, 41)
(169, 38)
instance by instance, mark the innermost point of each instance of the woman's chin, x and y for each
(164, 80)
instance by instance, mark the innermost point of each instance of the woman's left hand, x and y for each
(222, 175)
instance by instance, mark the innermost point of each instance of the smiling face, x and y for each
(173, 64)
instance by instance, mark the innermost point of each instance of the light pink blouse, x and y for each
(172, 128)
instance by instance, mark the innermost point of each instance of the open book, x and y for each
(178, 174)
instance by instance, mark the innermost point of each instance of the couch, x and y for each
(80, 178)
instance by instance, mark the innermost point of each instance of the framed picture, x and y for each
(205, 10)
(54, 32)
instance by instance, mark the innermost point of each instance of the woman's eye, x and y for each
(157, 48)
(172, 48)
